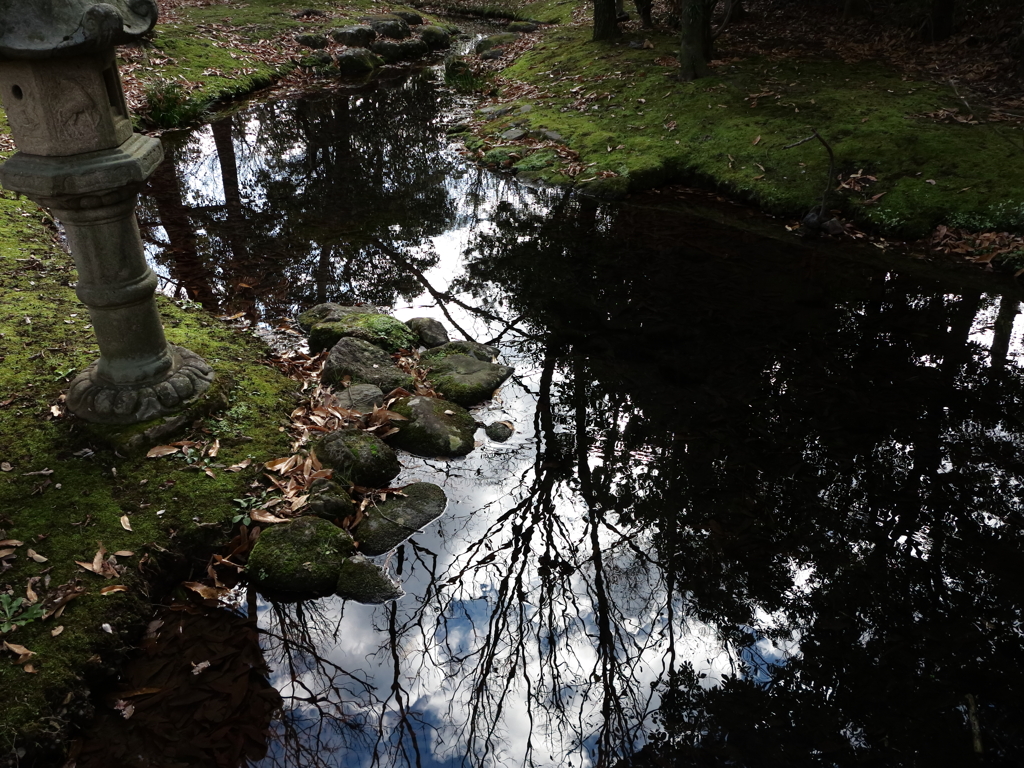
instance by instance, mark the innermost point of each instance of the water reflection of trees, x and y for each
(768, 516)
(285, 203)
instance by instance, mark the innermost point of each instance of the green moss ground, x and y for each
(635, 127)
(65, 514)
(206, 54)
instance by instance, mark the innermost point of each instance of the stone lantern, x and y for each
(79, 157)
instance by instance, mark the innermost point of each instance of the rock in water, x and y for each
(299, 560)
(483, 352)
(364, 582)
(329, 500)
(383, 331)
(388, 524)
(431, 333)
(365, 364)
(361, 398)
(359, 458)
(499, 431)
(355, 36)
(435, 427)
(331, 311)
(464, 379)
(435, 37)
(357, 61)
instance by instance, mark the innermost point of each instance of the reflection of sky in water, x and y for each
(535, 622)
(510, 679)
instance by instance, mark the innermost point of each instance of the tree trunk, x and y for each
(694, 41)
(643, 8)
(606, 25)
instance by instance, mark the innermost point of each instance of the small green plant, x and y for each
(169, 104)
(16, 612)
(248, 504)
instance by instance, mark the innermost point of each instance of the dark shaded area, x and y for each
(815, 462)
(196, 694)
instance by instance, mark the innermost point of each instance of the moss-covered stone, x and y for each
(299, 560)
(364, 363)
(484, 352)
(435, 37)
(466, 380)
(383, 331)
(388, 524)
(495, 41)
(435, 427)
(364, 582)
(328, 500)
(358, 458)
(330, 311)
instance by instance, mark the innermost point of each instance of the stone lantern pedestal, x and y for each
(79, 157)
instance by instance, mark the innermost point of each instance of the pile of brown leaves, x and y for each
(977, 247)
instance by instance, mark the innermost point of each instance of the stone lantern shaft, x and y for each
(79, 157)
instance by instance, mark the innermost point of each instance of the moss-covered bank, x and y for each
(902, 167)
(64, 495)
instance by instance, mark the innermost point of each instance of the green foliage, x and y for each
(169, 104)
(16, 612)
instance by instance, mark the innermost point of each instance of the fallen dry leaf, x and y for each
(36, 556)
(125, 523)
(56, 630)
(113, 588)
(23, 653)
(239, 466)
(11, 543)
(161, 450)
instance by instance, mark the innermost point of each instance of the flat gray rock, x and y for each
(364, 582)
(358, 458)
(362, 398)
(435, 427)
(389, 523)
(430, 332)
(364, 363)
(328, 500)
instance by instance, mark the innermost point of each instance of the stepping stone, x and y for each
(299, 560)
(358, 458)
(388, 524)
(364, 363)
(435, 427)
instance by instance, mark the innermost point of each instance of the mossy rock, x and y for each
(495, 41)
(383, 331)
(299, 560)
(355, 36)
(411, 18)
(388, 524)
(464, 379)
(330, 311)
(389, 50)
(499, 156)
(522, 26)
(364, 364)
(355, 62)
(388, 25)
(358, 458)
(364, 582)
(435, 37)
(413, 49)
(484, 352)
(435, 427)
(328, 500)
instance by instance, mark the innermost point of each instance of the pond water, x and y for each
(761, 507)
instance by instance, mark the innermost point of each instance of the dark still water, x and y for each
(761, 507)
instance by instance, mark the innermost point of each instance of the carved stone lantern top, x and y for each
(44, 29)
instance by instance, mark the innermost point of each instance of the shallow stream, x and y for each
(761, 507)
